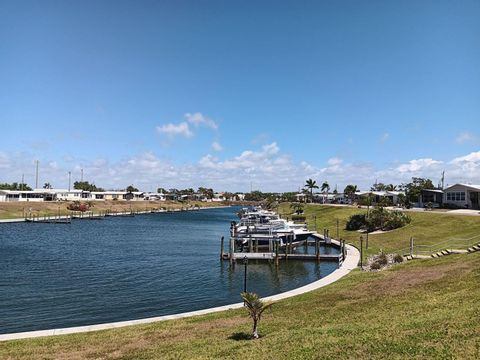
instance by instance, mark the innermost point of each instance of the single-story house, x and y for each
(463, 196)
(22, 195)
(433, 196)
(379, 195)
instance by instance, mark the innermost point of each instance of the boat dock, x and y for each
(273, 256)
(275, 252)
(50, 219)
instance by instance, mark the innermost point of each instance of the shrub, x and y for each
(375, 265)
(397, 258)
(379, 218)
(298, 218)
(395, 220)
(356, 222)
(382, 260)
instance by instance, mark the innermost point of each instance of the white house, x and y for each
(463, 196)
(70, 195)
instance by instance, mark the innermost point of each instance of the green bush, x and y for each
(375, 266)
(356, 222)
(298, 218)
(397, 258)
(378, 219)
(382, 259)
(395, 220)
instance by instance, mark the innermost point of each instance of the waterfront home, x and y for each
(154, 196)
(430, 196)
(24, 195)
(68, 195)
(378, 196)
(462, 196)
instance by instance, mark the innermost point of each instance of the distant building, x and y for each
(431, 196)
(378, 196)
(463, 196)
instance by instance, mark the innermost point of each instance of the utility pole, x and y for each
(69, 179)
(36, 175)
(81, 176)
(23, 182)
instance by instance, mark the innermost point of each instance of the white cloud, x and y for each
(216, 146)
(473, 157)
(465, 137)
(266, 167)
(334, 161)
(384, 137)
(173, 130)
(419, 165)
(198, 119)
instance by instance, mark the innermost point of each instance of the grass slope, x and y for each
(420, 309)
(427, 228)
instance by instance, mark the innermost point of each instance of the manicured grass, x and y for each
(426, 227)
(420, 309)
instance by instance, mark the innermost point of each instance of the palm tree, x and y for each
(391, 187)
(325, 188)
(297, 207)
(255, 307)
(311, 184)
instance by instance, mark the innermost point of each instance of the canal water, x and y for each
(125, 268)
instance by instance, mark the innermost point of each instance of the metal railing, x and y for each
(430, 249)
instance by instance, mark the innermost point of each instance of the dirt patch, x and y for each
(396, 282)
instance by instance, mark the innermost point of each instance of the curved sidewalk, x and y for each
(350, 262)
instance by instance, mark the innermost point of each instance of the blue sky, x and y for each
(232, 93)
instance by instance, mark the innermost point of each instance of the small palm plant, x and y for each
(255, 307)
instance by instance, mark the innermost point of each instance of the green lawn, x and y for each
(420, 309)
(426, 227)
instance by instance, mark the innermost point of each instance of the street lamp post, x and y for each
(245, 263)
(361, 252)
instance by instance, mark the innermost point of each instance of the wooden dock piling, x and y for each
(221, 247)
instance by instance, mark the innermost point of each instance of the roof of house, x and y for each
(469, 186)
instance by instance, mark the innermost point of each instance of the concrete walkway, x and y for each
(351, 262)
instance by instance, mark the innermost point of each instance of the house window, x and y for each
(456, 196)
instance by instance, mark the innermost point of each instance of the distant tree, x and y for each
(403, 201)
(255, 196)
(255, 307)
(161, 190)
(297, 207)
(270, 203)
(228, 196)
(391, 187)
(47, 186)
(350, 191)
(131, 188)
(310, 185)
(414, 188)
(15, 186)
(86, 186)
(378, 187)
(188, 191)
(288, 197)
(207, 192)
(367, 200)
(325, 189)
